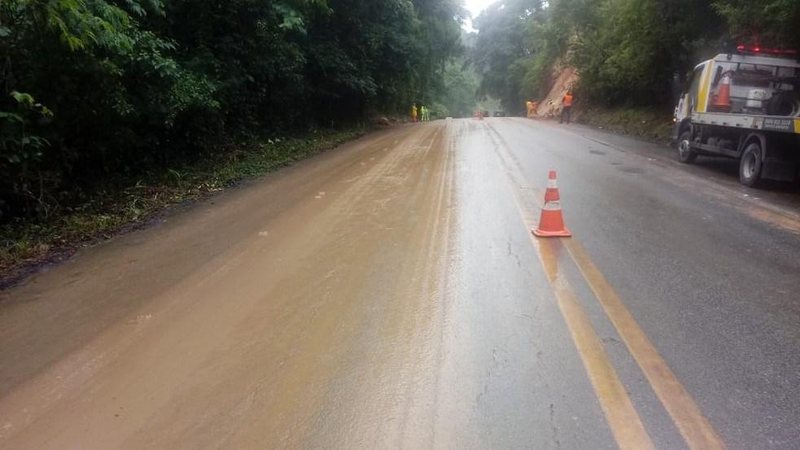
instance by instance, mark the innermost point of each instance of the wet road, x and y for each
(389, 294)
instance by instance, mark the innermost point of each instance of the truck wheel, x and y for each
(685, 152)
(750, 165)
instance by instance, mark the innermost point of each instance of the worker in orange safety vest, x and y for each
(566, 107)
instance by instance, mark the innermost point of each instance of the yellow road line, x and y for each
(695, 428)
(622, 418)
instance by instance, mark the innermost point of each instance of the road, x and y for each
(389, 294)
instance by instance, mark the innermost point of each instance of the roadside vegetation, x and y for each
(649, 123)
(128, 203)
(112, 109)
(630, 55)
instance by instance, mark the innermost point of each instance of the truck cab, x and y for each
(745, 106)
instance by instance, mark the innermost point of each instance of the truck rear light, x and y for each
(756, 49)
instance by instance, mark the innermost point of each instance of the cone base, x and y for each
(541, 233)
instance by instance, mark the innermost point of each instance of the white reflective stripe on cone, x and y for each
(551, 184)
(552, 206)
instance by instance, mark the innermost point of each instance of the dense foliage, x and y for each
(93, 91)
(627, 52)
(96, 92)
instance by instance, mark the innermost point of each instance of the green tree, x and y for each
(140, 85)
(460, 89)
(502, 51)
(625, 51)
(768, 22)
(636, 47)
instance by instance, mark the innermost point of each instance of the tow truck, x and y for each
(744, 105)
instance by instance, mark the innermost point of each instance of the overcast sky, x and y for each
(475, 7)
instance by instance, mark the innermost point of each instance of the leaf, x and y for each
(11, 117)
(4, 31)
(23, 98)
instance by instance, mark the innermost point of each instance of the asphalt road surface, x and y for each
(390, 294)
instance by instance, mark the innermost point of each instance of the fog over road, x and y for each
(389, 294)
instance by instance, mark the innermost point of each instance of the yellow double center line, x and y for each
(624, 421)
(695, 428)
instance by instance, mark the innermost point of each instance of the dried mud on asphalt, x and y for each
(233, 323)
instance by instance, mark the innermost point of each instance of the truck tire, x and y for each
(751, 164)
(685, 153)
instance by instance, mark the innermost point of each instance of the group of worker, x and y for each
(424, 113)
(566, 107)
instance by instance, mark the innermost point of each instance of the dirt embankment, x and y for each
(565, 78)
(650, 123)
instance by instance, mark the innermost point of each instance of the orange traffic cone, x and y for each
(551, 223)
(722, 101)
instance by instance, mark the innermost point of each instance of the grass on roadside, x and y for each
(133, 202)
(651, 124)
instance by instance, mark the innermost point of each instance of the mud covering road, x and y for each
(389, 294)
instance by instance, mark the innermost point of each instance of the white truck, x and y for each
(744, 105)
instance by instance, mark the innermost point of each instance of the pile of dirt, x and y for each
(654, 124)
(381, 121)
(564, 79)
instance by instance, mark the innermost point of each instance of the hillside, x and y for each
(627, 53)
